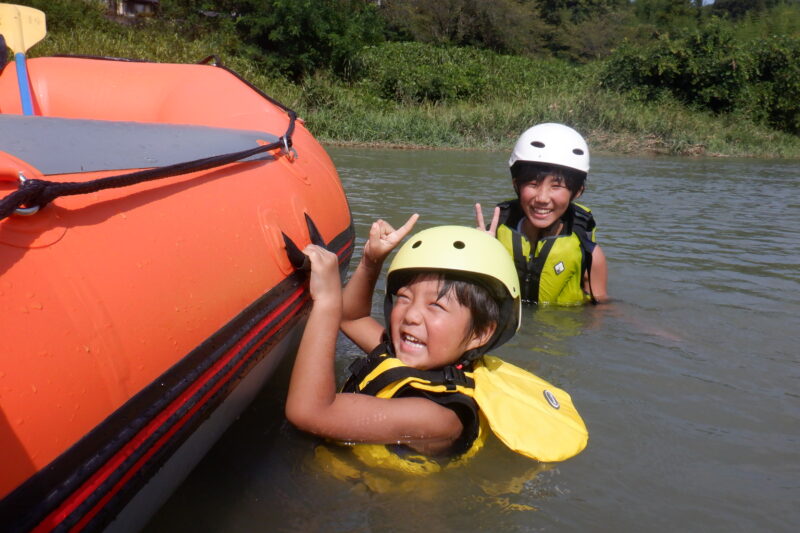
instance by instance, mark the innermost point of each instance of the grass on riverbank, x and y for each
(352, 113)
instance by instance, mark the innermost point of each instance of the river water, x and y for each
(689, 381)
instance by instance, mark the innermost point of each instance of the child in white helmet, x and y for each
(549, 236)
(421, 398)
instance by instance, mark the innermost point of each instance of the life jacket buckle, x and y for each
(453, 377)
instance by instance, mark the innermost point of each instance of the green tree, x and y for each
(507, 26)
(583, 30)
(561, 12)
(293, 37)
(667, 15)
(298, 37)
(737, 9)
(592, 38)
(69, 14)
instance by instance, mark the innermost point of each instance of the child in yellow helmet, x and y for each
(550, 237)
(449, 299)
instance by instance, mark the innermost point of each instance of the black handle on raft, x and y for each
(297, 258)
(314, 234)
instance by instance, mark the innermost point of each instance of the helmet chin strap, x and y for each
(387, 316)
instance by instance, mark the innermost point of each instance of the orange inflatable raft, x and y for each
(150, 278)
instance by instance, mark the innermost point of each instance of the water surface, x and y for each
(689, 381)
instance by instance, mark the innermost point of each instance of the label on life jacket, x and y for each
(531, 416)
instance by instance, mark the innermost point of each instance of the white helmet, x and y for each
(554, 144)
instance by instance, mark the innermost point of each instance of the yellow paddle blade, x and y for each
(21, 26)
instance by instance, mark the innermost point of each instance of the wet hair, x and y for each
(480, 296)
(523, 172)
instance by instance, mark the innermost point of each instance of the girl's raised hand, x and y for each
(492, 230)
(325, 284)
(383, 238)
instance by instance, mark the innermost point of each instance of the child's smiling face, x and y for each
(544, 201)
(428, 331)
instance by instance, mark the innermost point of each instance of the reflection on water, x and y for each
(688, 381)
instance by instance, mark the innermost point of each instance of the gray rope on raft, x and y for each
(39, 193)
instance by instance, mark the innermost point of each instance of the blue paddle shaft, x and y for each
(24, 86)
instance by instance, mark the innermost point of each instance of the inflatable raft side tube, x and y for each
(99, 475)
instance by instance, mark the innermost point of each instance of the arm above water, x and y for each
(357, 322)
(599, 277)
(313, 379)
(313, 405)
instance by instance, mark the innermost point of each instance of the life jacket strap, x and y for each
(450, 376)
(587, 262)
(583, 225)
(530, 271)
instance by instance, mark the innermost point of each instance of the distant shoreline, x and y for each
(601, 148)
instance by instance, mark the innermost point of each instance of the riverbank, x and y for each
(495, 126)
(359, 113)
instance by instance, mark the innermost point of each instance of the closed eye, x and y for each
(402, 296)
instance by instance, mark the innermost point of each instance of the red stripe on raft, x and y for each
(344, 248)
(77, 497)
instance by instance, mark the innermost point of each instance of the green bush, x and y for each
(416, 72)
(712, 70)
(778, 80)
(69, 14)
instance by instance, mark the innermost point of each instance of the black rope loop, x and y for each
(25, 196)
(39, 193)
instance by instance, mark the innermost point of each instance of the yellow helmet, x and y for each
(467, 251)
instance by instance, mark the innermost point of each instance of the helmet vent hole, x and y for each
(416, 244)
(577, 151)
(537, 144)
(458, 245)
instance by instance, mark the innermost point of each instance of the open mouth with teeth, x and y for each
(411, 341)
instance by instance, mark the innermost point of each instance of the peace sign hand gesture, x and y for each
(383, 238)
(492, 229)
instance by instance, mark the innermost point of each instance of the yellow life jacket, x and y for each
(553, 273)
(384, 376)
(528, 414)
